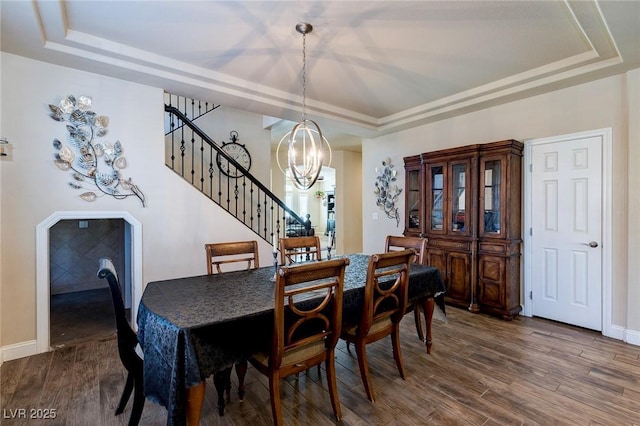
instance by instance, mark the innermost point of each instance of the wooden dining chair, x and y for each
(399, 243)
(306, 327)
(222, 254)
(299, 249)
(419, 245)
(130, 352)
(231, 252)
(385, 301)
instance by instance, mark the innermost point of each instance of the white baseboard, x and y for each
(18, 350)
(632, 337)
(615, 332)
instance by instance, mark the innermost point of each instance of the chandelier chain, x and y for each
(304, 77)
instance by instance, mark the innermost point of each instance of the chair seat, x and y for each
(376, 326)
(296, 356)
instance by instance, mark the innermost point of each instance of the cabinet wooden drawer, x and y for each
(492, 248)
(449, 244)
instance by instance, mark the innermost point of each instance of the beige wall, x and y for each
(633, 183)
(601, 104)
(177, 221)
(374, 218)
(1, 203)
(348, 201)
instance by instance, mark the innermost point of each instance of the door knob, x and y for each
(592, 244)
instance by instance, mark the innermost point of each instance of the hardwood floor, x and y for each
(483, 371)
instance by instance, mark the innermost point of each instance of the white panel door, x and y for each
(566, 234)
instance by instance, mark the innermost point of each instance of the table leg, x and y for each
(428, 304)
(195, 399)
(222, 382)
(241, 372)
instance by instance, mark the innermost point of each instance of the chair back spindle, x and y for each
(417, 244)
(231, 252)
(299, 249)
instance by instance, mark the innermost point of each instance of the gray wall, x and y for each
(74, 253)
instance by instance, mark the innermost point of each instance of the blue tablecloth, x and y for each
(189, 328)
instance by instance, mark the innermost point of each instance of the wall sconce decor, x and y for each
(94, 165)
(3, 141)
(386, 191)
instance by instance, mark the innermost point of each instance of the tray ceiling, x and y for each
(373, 67)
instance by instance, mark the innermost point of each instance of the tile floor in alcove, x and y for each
(80, 316)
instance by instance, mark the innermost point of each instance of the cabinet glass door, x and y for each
(457, 218)
(413, 199)
(437, 198)
(492, 179)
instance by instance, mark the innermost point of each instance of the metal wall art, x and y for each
(387, 191)
(3, 142)
(94, 165)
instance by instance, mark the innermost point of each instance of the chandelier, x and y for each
(306, 146)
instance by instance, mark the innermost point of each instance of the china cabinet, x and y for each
(468, 208)
(413, 194)
(499, 228)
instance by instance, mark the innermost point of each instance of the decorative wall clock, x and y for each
(236, 151)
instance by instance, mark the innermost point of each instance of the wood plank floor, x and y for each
(483, 371)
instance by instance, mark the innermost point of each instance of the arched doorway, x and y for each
(132, 265)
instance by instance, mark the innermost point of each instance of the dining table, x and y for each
(193, 327)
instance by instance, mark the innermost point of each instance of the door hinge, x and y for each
(531, 232)
(531, 167)
(530, 295)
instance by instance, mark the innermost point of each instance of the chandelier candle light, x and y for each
(305, 141)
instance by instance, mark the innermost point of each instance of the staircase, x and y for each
(196, 157)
